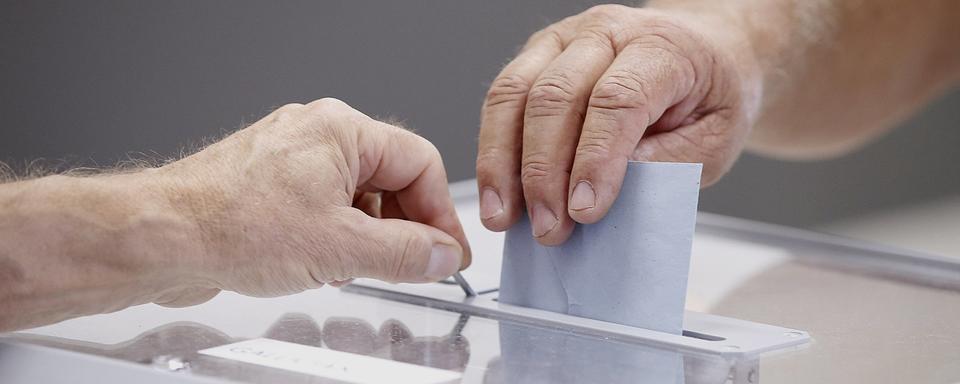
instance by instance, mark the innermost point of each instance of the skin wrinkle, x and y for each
(536, 167)
(609, 96)
(409, 247)
(597, 143)
(374, 161)
(512, 89)
(620, 82)
(348, 166)
(208, 205)
(342, 266)
(308, 247)
(550, 94)
(600, 35)
(403, 193)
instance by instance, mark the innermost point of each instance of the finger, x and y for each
(710, 140)
(369, 203)
(501, 127)
(551, 126)
(631, 95)
(295, 327)
(349, 334)
(394, 331)
(394, 159)
(398, 250)
(390, 207)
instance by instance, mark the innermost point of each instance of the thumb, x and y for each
(396, 250)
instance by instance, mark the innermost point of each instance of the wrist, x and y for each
(88, 245)
(182, 204)
(156, 249)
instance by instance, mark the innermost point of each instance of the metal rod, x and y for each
(467, 289)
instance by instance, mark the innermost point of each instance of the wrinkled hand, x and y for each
(315, 194)
(591, 92)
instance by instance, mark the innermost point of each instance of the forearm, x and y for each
(836, 73)
(72, 246)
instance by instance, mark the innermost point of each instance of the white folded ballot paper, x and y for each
(629, 268)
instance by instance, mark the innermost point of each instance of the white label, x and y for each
(343, 366)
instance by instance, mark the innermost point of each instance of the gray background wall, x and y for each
(88, 82)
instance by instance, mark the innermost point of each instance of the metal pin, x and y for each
(467, 289)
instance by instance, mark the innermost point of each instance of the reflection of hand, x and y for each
(395, 341)
(595, 90)
(280, 206)
(175, 339)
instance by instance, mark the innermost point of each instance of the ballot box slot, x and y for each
(686, 332)
(704, 334)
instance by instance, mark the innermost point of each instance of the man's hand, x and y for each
(593, 91)
(317, 194)
(311, 194)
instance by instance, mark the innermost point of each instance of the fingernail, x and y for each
(444, 261)
(583, 196)
(543, 220)
(490, 204)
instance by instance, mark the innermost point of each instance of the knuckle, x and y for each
(490, 160)
(326, 105)
(601, 35)
(536, 169)
(597, 143)
(496, 168)
(287, 112)
(666, 32)
(418, 143)
(290, 107)
(395, 133)
(676, 47)
(486, 168)
(552, 94)
(607, 25)
(606, 10)
(324, 116)
(664, 40)
(434, 154)
(550, 33)
(620, 90)
(507, 89)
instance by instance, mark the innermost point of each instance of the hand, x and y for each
(395, 341)
(590, 93)
(315, 194)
